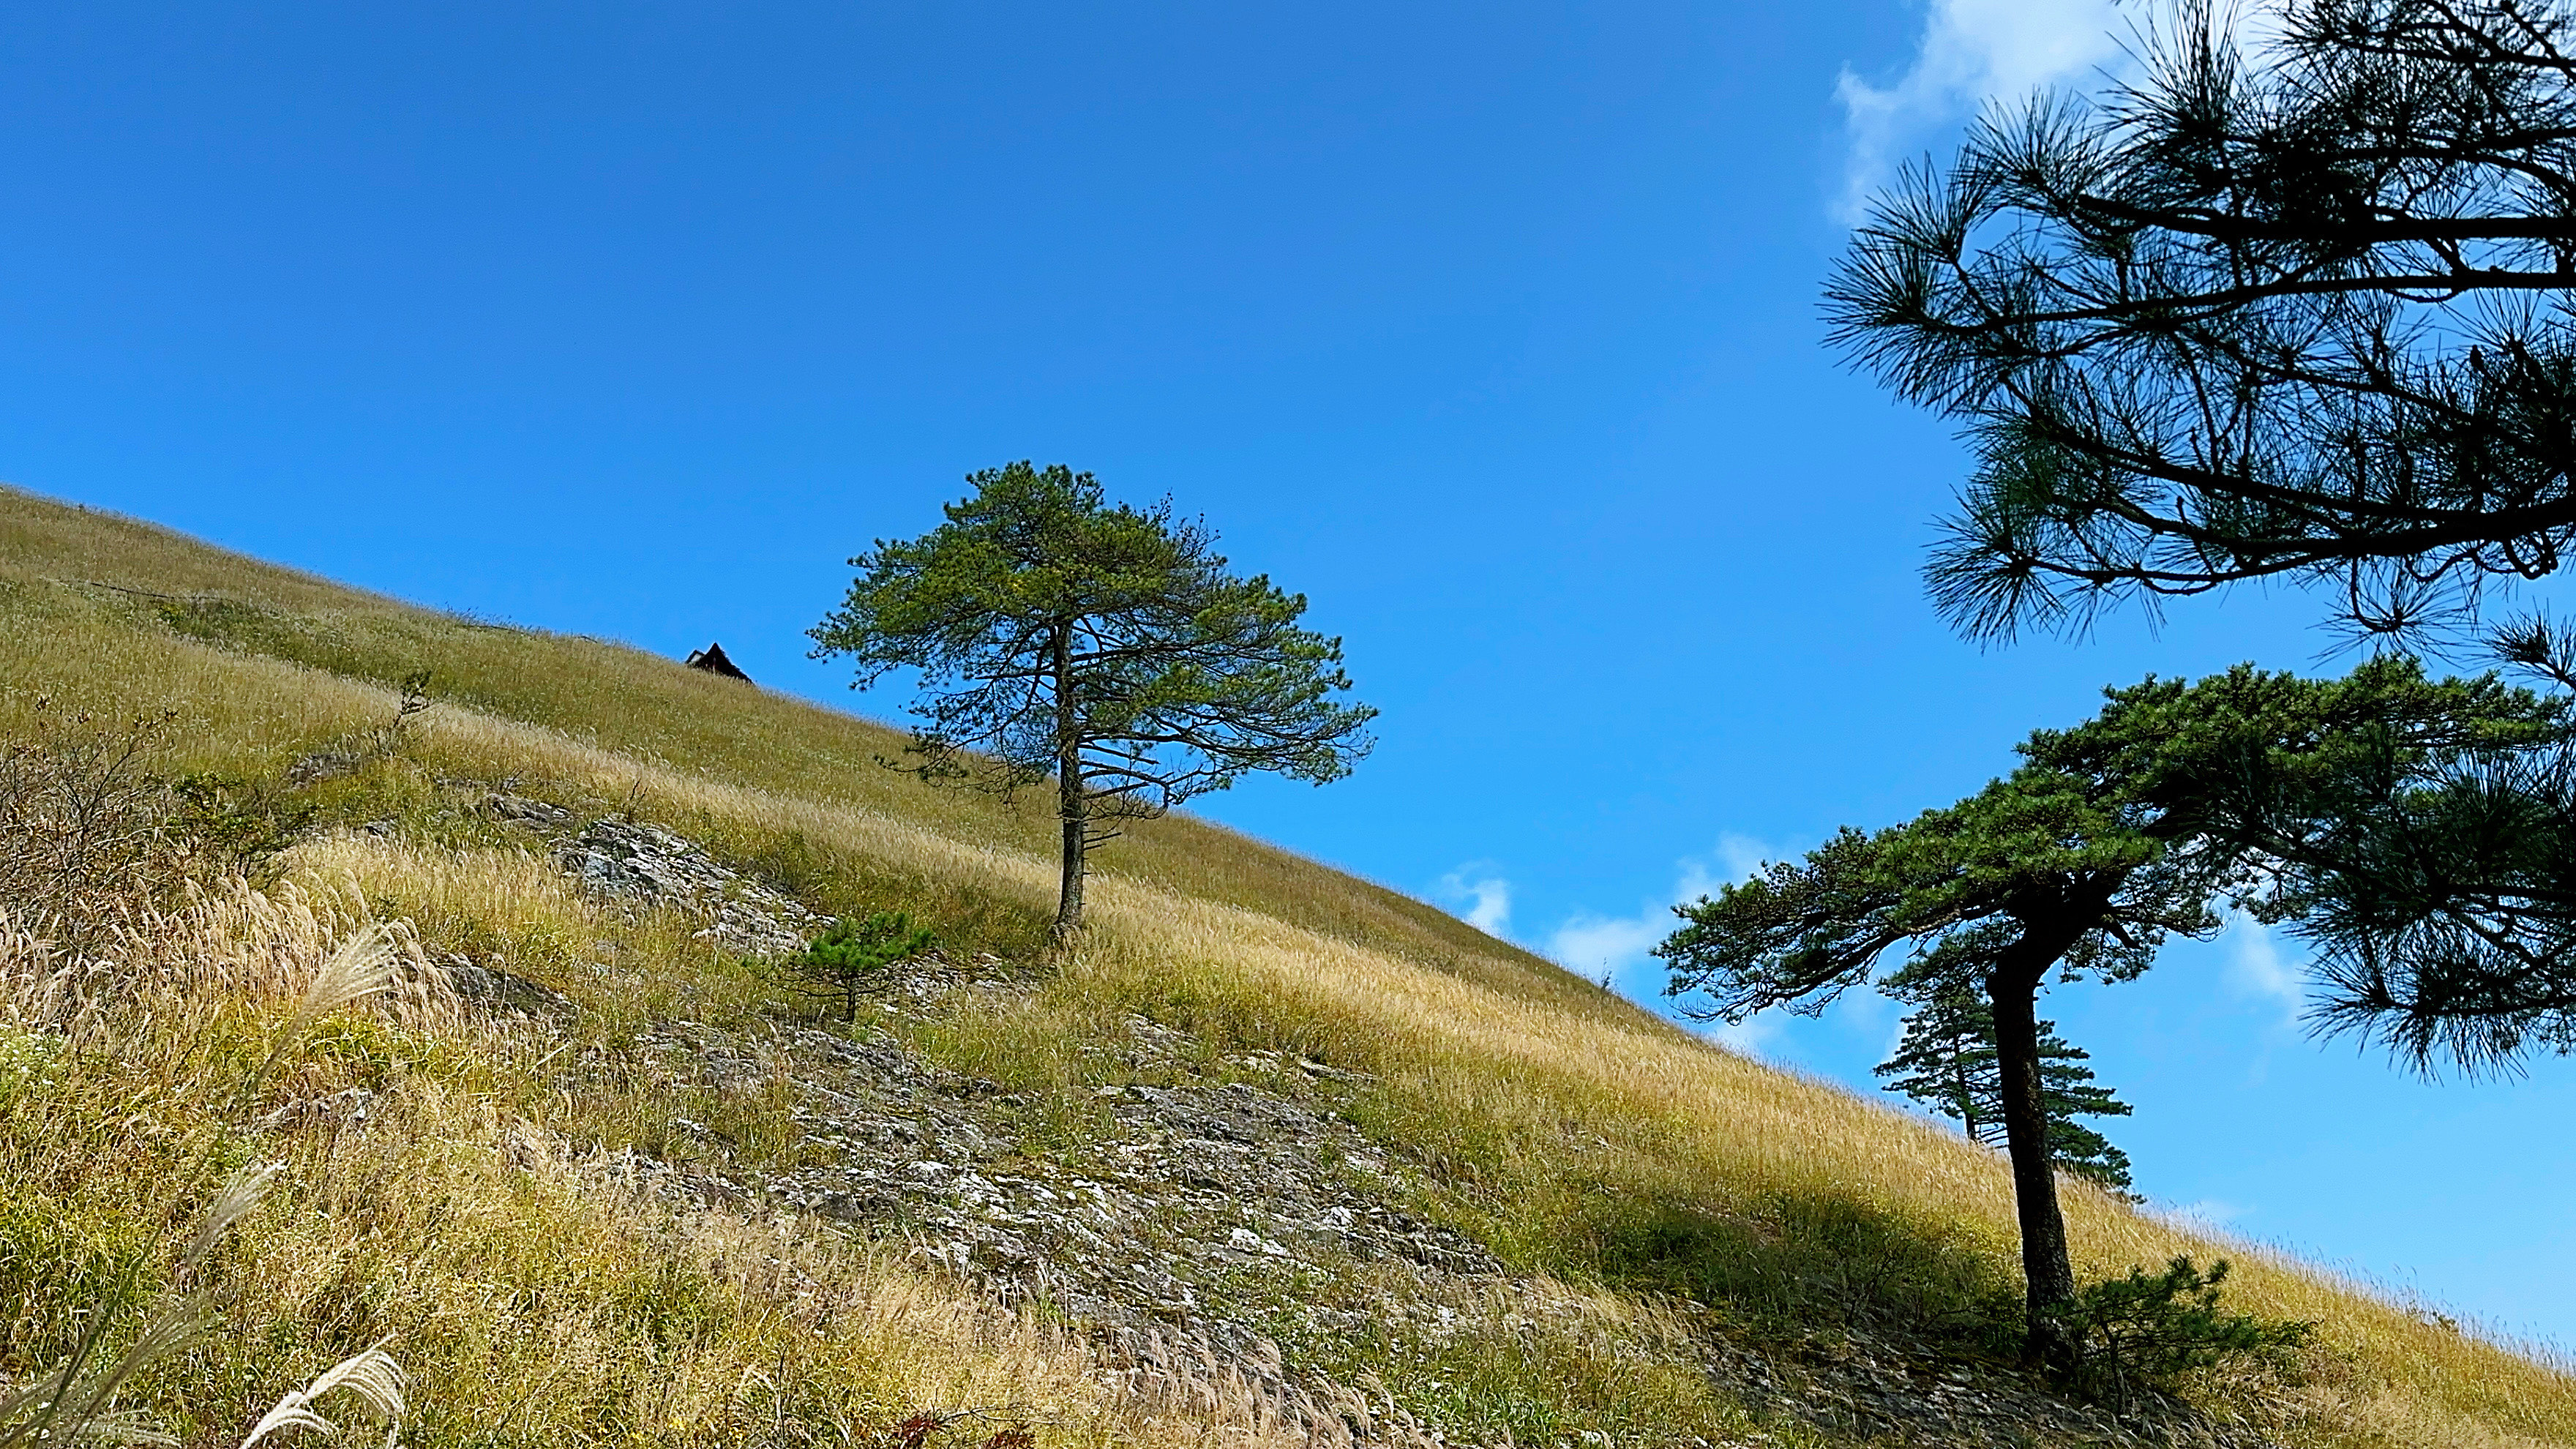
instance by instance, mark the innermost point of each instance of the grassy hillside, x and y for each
(1662, 1195)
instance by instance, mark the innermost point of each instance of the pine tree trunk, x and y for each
(1072, 804)
(1068, 900)
(1967, 1090)
(2047, 1274)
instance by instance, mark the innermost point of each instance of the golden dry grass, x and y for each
(1580, 1136)
(535, 1293)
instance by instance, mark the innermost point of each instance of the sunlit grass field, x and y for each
(476, 1223)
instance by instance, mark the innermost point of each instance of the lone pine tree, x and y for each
(2077, 866)
(1947, 1061)
(1105, 647)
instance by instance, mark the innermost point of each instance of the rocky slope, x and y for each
(1219, 1220)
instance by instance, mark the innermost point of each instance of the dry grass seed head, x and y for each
(372, 1377)
(360, 967)
(238, 1199)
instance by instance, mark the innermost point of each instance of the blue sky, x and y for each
(1492, 328)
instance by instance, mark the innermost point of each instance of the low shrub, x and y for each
(840, 964)
(88, 824)
(241, 824)
(2146, 1331)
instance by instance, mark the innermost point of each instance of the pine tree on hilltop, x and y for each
(1947, 1060)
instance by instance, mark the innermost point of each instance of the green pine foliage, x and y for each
(2148, 1330)
(2417, 835)
(1947, 1061)
(1107, 648)
(844, 961)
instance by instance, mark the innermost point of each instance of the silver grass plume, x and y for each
(362, 967)
(372, 1377)
(230, 1206)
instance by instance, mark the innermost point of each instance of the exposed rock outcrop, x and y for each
(645, 865)
(1197, 1225)
(1218, 1223)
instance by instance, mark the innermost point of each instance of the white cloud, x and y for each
(1594, 944)
(1488, 899)
(2254, 964)
(1751, 1038)
(1597, 945)
(1972, 51)
(1976, 51)
(1741, 857)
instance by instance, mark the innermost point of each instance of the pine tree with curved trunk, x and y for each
(1104, 648)
(2039, 873)
(2109, 839)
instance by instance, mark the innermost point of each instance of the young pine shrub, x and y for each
(2148, 1331)
(842, 963)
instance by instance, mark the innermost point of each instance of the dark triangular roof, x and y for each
(712, 659)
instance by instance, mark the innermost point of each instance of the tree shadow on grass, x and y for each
(1792, 1263)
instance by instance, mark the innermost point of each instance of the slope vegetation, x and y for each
(568, 1223)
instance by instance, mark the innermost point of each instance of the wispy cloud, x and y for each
(1976, 51)
(1972, 51)
(1487, 898)
(1616, 946)
(1741, 857)
(1609, 945)
(2208, 1215)
(1748, 1038)
(2254, 963)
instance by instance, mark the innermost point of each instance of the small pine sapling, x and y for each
(844, 961)
(2148, 1330)
(1947, 1061)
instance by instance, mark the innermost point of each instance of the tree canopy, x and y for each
(2293, 304)
(2110, 838)
(2421, 835)
(1107, 647)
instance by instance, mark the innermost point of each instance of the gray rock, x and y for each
(494, 990)
(646, 866)
(506, 806)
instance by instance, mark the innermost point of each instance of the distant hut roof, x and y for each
(712, 659)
